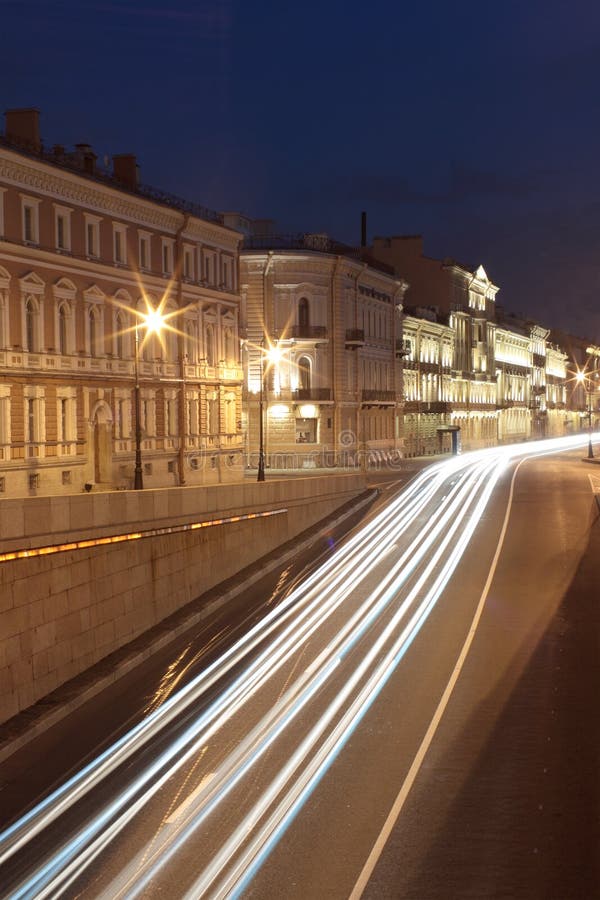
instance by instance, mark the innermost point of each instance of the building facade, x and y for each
(84, 255)
(507, 381)
(323, 355)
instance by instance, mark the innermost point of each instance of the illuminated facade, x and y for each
(582, 388)
(464, 300)
(82, 251)
(331, 395)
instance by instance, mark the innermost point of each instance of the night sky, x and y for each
(475, 124)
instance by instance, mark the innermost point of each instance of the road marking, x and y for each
(595, 483)
(595, 486)
(189, 799)
(400, 800)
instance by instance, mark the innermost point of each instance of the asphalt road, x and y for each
(403, 724)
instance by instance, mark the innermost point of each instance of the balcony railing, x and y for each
(307, 332)
(378, 396)
(315, 394)
(355, 337)
(403, 348)
(320, 243)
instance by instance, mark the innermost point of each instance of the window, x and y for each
(230, 348)
(31, 234)
(119, 332)
(92, 236)
(62, 228)
(63, 417)
(30, 420)
(306, 431)
(227, 273)
(2, 193)
(167, 256)
(66, 476)
(94, 331)
(209, 345)
(209, 267)
(31, 322)
(213, 415)
(304, 373)
(63, 329)
(188, 263)
(120, 244)
(144, 251)
(5, 416)
(303, 313)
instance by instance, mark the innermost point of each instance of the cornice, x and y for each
(64, 186)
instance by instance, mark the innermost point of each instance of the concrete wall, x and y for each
(61, 613)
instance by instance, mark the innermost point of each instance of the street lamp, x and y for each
(586, 382)
(152, 321)
(273, 355)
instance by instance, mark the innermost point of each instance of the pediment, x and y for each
(64, 286)
(32, 282)
(94, 294)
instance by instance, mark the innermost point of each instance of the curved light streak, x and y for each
(289, 626)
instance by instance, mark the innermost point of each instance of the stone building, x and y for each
(465, 300)
(84, 254)
(324, 352)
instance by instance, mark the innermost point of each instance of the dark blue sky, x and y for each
(476, 124)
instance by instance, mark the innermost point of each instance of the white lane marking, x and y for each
(189, 799)
(595, 483)
(400, 800)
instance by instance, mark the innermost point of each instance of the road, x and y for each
(413, 719)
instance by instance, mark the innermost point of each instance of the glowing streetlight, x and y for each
(273, 356)
(152, 322)
(586, 383)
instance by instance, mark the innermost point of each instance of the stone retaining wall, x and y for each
(61, 613)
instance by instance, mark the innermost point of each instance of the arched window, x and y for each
(230, 354)
(303, 313)
(93, 330)
(30, 324)
(304, 373)
(120, 326)
(191, 342)
(209, 345)
(63, 329)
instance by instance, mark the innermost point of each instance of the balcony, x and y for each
(374, 395)
(403, 348)
(313, 394)
(355, 337)
(307, 332)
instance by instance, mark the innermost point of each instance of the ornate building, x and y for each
(84, 255)
(331, 393)
(463, 299)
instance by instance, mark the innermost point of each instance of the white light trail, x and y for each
(423, 569)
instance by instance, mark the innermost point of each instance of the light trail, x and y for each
(294, 624)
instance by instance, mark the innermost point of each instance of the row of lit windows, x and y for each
(216, 346)
(36, 417)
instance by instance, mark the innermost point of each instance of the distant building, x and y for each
(332, 397)
(83, 252)
(464, 299)
(582, 362)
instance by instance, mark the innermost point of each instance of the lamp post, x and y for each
(273, 355)
(138, 478)
(152, 322)
(261, 437)
(586, 382)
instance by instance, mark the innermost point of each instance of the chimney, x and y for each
(23, 127)
(126, 170)
(86, 158)
(363, 229)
